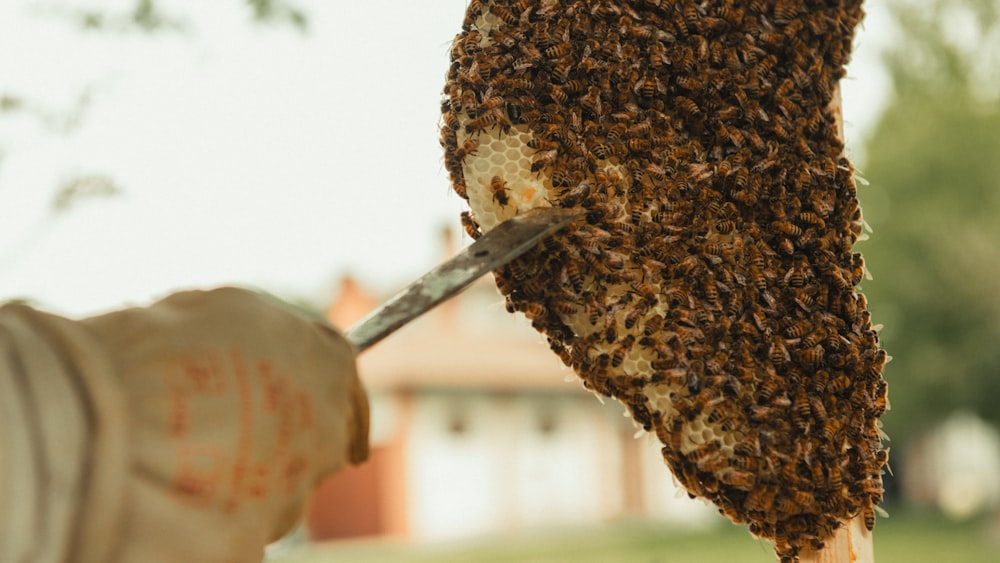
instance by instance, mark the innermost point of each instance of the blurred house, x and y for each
(955, 467)
(477, 428)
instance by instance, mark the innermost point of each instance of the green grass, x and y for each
(930, 537)
(903, 538)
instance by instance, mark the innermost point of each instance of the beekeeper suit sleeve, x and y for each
(190, 430)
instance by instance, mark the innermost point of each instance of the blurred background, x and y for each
(291, 146)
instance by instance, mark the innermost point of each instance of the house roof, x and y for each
(435, 358)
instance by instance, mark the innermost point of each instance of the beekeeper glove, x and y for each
(233, 409)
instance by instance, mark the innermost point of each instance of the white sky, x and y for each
(246, 154)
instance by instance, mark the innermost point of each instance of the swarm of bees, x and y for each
(710, 286)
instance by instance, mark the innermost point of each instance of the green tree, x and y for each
(147, 16)
(934, 166)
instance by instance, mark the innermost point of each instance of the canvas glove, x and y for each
(191, 430)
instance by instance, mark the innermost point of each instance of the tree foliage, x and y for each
(144, 17)
(148, 16)
(933, 203)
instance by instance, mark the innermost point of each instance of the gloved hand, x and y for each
(233, 410)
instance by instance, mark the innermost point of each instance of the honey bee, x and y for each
(881, 403)
(534, 310)
(543, 159)
(711, 292)
(830, 429)
(812, 219)
(801, 78)
(564, 308)
(705, 51)
(725, 227)
(513, 113)
(542, 144)
(498, 187)
(652, 325)
(521, 6)
(839, 384)
(643, 32)
(816, 404)
(604, 11)
(459, 184)
(798, 329)
(795, 277)
(640, 129)
(711, 463)
(484, 121)
(640, 178)
(725, 168)
(787, 504)
(618, 356)
(735, 136)
(687, 105)
(786, 228)
(638, 145)
(611, 334)
(558, 95)
(742, 174)
(474, 10)
(803, 498)
(593, 312)
(813, 122)
(592, 101)
(715, 251)
(745, 463)
(602, 152)
(761, 499)
(520, 83)
(690, 337)
(691, 17)
(574, 195)
(578, 355)
(793, 31)
(691, 265)
(558, 51)
(615, 260)
(451, 121)
(504, 14)
(493, 102)
(786, 246)
(468, 148)
(777, 353)
(801, 406)
(858, 269)
(813, 356)
(802, 145)
(882, 459)
(841, 281)
(632, 317)
(560, 178)
(869, 517)
(690, 83)
(738, 479)
(470, 225)
(757, 278)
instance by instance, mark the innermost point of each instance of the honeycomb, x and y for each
(502, 162)
(711, 286)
